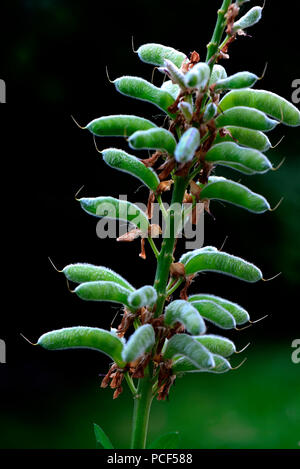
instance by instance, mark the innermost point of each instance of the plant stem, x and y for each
(175, 286)
(154, 248)
(165, 257)
(141, 412)
(162, 207)
(213, 46)
(130, 383)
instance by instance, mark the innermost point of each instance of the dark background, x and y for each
(53, 60)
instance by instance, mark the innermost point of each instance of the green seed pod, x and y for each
(115, 209)
(210, 112)
(140, 342)
(82, 272)
(171, 88)
(184, 312)
(228, 152)
(144, 296)
(224, 263)
(249, 19)
(184, 365)
(139, 88)
(153, 139)
(84, 337)
(186, 109)
(155, 54)
(187, 145)
(174, 73)
(121, 160)
(264, 101)
(243, 116)
(218, 73)
(240, 314)
(185, 345)
(217, 344)
(237, 81)
(198, 76)
(234, 193)
(246, 137)
(215, 313)
(103, 291)
(118, 126)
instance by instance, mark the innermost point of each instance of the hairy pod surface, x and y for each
(215, 313)
(103, 291)
(136, 87)
(223, 263)
(240, 314)
(264, 101)
(185, 345)
(171, 88)
(198, 76)
(246, 137)
(210, 112)
(130, 164)
(187, 145)
(186, 109)
(217, 344)
(121, 125)
(228, 152)
(218, 73)
(242, 116)
(156, 54)
(144, 296)
(185, 313)
(184, 365)
(234, 193)
(153, 139)
(84, 337)
(249, 19)
(140, 342)
(115, 209)
(83, 272)
(188, 255)
(236, 81)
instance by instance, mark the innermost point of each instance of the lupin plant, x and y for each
(211, 119)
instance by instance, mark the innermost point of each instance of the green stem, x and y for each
(165, 257)
(141, 412)
(162, 207)
(130, 383)
(175, 286)
(154, 248)
(213, 46)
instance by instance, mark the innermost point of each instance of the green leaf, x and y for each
(101, 438)
(168, 441)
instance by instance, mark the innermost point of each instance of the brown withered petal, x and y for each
(151, 200)
(131, 235)
(183, 293)
(154, 231)
(177, 269)
(142, 254)
(164, 186)
(117, 392)
(149, 162)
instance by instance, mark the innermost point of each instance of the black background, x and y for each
(53, 60)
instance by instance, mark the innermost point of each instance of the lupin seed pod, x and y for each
(140, 342)
(188, 255)
(103, 291)
(228, 152)
(122, 161)
(185, 345)
(82, 272)
(185, 313)
(237, 81)
(264, 101)
(84, 337)
(217, 344)
(246, 137)
(153, 139)
(174, 73)
(186, 109)
(184, 365)
(224, 263)
(242, 116)
(234, 193)
(210, 112)
(155, 54)
(144, 296)
(249, 19)
(115, 209)
(198, 76)
(215, 313)
(136, 87)
(218, 73)
(171, 88)
(121, 125)
(240, 314)
(187, 145)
